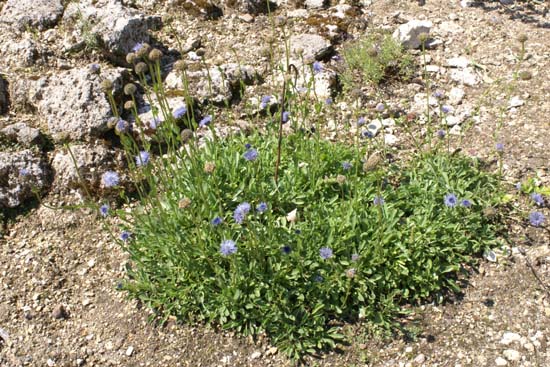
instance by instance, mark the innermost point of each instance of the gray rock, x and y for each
(250, 6)
(20, 173)
(509, 337)
(21, 53)
(499, 361)
(4, 96)
(458, 62)
(512, 355)
(73, 104)
(41, 14)
(456, 95)
(22, 134)
(90, 160)
(312, 47)
(408, 34)
(116, 28)
(315, 4)
(218, 85)
(466, 76)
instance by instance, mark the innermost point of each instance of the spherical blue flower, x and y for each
(446, 109)
(122, 126)
(536, 219)
(438, 94)
(24, 172)
(499, 147)
(205, 121)
(125, 236)
(354, 257)
(325, 252)
(367, 134)
(110, 179)
(378, 200)
(261, 208)
(318, 278)
(346, 166)
(297, 231)
(94, 68)
(142, 159)
(137, 47)
(441, 134)
(380, 107)
(286, 249)
(466, 203)
(361, 121)
(228, 247)
(251, 154)
(104, 210)
(179, 112)
(247, 146)
(537, 198)
(240, 212)
(216, 221)
(286, 116)
(328, 101)
(154, 123)
(518, 186)
(317, 67)
(450, 200)
(265, 101)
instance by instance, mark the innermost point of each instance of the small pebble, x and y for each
(59, 312)
(501, 361)
(129, 351)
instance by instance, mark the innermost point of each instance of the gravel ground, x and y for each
(59, 270)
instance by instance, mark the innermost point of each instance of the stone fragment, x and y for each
(315, 4)
(255, 355)
(90, 161)
(21, 172)
(129, 351)
(509, 337)
(456, 95)
(312, 46)
(499, 361)
(419, 359)
(73, 104)
(23, 14)
(19, 53)
(374, 126)
(511, 355)
(408, 34)
(59, 312)
(516, 101)
(117, 28)
(22, 134)
(250, 6)
(458, 62)
(466, 76)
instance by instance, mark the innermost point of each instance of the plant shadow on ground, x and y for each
(527, 11)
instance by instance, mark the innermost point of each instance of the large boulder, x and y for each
(73, 104)
(115, 27)
(22, 173)
(40, 14)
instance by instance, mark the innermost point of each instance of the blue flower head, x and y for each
(380, 107)
(142, 159)
(261, 208)
(367, 134)
(179, 112)
(441, 134)
(328, 101)
(110, 179)
(499, 147)
(450, 200)
(317, 67)
(466, 203)
(251, 154)
(24, 172)
(228, 247)
(247, 146)
(125, 236)
(286, 249)
(240, 212)
(137, 47)
(537, 198)
(216, 221)
(122, 126)
(325, 253)
(446, 109)
(361, 121)
(536, 219)
(438, 94)
(154, 123)
(206, 120)
(378, 200)
(104, 210)
(286, 116)
(265, 101)
(346, 166)
(354, 257)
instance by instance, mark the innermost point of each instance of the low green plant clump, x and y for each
(219, 241)
(375, 59)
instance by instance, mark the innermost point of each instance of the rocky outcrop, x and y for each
(24, 14)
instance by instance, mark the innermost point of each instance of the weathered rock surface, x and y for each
(250, 6)
(20, 173)
(22, 14)
(311, 46)
(116, 28)
(90, 160)
(218, 85)
(408, 33)
(73, 104)
(22, 134)
(19, 53)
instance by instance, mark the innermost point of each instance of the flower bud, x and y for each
(130, 89)
(131, 58)
(141, 68)
(143, 50)
(209, 167)
(128, 105)
(155, 55)
(186, 135)
(106, 85)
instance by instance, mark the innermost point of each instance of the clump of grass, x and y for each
(375, 59)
